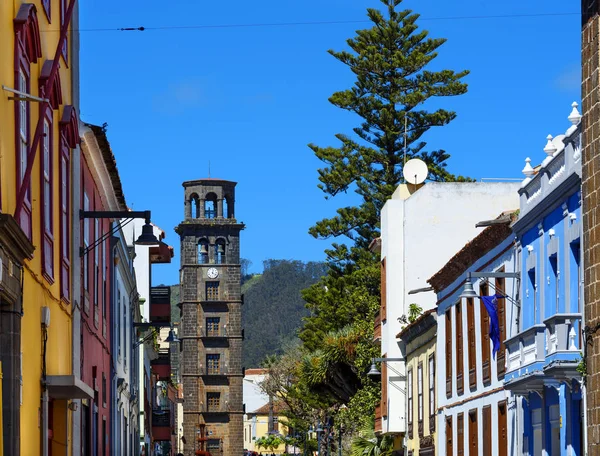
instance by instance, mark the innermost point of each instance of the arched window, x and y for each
(220, 257)
(210, 206)
(194, 206)
(202, 251)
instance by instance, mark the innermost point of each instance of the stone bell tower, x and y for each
(211, 331)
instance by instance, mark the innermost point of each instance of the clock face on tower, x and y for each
(212, 273)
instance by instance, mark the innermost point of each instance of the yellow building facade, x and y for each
(419, 338)
(36, 225)
(256, 426)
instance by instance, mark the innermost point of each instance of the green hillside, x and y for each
(273, 306)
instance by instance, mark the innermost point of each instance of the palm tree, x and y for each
(367, 443)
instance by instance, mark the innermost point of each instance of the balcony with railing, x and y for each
(160, 304)
(213, 332)
(161, 423)
(161, 366)
(553, 346)
(563, 344)
(216, 371)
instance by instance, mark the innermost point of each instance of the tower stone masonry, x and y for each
(590, 97)
(211, 325)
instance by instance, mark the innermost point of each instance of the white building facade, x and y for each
(475, 413)
(124, 383)
(420, 229)
(254, 398)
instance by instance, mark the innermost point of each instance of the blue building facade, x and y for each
(544, 342)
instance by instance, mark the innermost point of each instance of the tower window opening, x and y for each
(212, 291)
(210, 206)
(226, 208)
(194, 206)
(203, 251)
(220, 252)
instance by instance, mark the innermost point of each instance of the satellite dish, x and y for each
(415, 171)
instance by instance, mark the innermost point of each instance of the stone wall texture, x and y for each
(591, 216)
(223, 427)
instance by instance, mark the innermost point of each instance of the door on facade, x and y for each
(95, 440)
(536, 424)
(85, 430)
(554, 417)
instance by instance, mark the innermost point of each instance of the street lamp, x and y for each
(374, 372)
(146, 238)
(319, 431)
(469, 292)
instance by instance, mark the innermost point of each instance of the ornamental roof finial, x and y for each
(550, 147)
(575, 116)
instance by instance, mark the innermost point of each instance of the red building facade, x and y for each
(100, 191)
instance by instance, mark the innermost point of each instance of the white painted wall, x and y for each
(254, 398)
(419, 234)
(143, 277)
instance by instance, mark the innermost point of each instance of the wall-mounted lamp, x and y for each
(146, 238)
(469, 292)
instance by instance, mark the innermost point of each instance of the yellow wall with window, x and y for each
(256, 425)
(420, 339)
(38, 289)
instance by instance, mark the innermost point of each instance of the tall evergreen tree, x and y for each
(392, 85)
(390, 95)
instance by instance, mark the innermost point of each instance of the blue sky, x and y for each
(250, 99)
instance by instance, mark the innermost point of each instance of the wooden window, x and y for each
(125, 331)
(118, 321)
(213, 400)
(22, 122)
(384, 388)
(212, 326)
(86, 244)
(432, 392)
(500, 356)
(449, 437)
(460, 434)
(63, 11)
(460, 362)
(47, 199)
(487, 430)
(473, 433)
(103, 389)
(409, 389)
(448, 353)
(502, 430)
(420, 397)
(214, 445)
(212, 291)
(485, 335)
(104, 285)
(383, 292)
(65, 237)
(472, 349)
(96, 271)
(213, 363)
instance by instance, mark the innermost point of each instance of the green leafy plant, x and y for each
(269, 442)
(414, 312)
(582, 369)
(367, 443)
